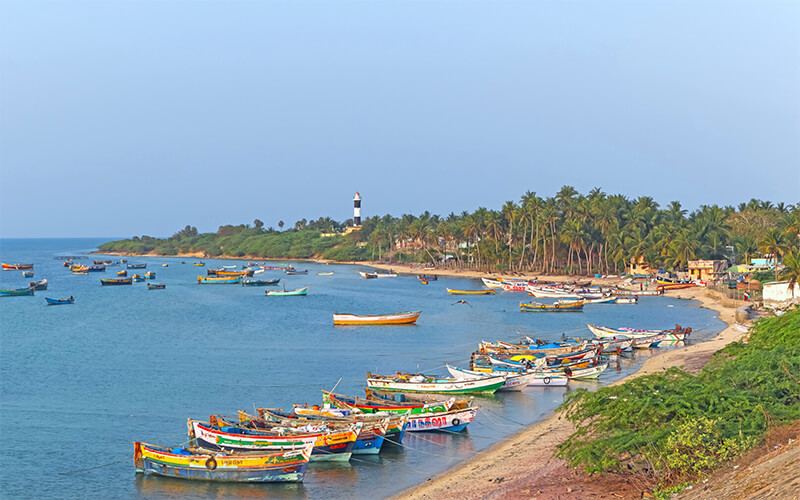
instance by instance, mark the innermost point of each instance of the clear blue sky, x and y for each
(123, 118)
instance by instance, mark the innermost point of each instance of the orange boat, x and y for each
(403, 318)
(470, 292)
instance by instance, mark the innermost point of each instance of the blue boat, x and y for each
(58, 302)
(16, 292)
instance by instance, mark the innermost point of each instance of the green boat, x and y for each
(287, 293)
(408, 382)
(16, 292)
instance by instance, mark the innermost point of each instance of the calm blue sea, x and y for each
(79, 383)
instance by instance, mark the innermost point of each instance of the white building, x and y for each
(779, 291)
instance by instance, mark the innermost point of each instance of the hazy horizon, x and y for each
(142, 117)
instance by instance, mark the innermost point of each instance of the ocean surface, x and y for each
(79, 383)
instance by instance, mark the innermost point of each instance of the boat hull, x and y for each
(451, 421)
(488, 385)
(406, 318)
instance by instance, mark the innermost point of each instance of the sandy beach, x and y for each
(522, 466)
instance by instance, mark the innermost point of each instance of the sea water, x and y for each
(79, 383)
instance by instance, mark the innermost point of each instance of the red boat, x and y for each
(16, 267)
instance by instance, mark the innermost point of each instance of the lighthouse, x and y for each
(357, 210)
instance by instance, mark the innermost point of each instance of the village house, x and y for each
(707, 270)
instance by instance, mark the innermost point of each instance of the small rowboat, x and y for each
(136, 266)
(199, 264)
(627, 300)
(80, 273)
(38, 285)
(403, 318)
(560, 306)
(406, 382)
(325, 274)
(374, 275)
(228, 280)
(470, 292)
(292, 273)
(16, 292)
(112, 281)
(58, 302)
(156, 286)
(137, 278)
(150, 275)
(196, 463)
(289, 293)
(16, 267)
(165, 265)
(260, 282)
(122, 273)
(27, 274)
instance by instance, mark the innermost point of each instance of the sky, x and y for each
(127, 118)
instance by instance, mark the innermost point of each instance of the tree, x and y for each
(281, 224)
(791, 271)
(258, 224)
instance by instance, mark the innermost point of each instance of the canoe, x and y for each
(199, 264)
(38, 285)
(150, 275)
(330, 445)
(228, 280)
(282, 466)
(325, 274)
(27, 274)
(260, 282)
(440, 385)
(136, 266)
(113, 281)
(469, 292)
(403, 318)
(156, 286)
(514, 382)
(57, 302)
(16, 292)
(16, 267)
(560, 306)
(287, 293)
(293, 273)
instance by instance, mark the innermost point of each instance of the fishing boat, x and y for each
(449, 421)
(386, 406)
(156, 286)
(165, 265)
(122, 273)
(403, 318)
(560, 306)
(640, 293)
(195, 463)
(427, 277)
(627, 300)
(232, 266)
(492, 283)
(115, 281)
(226, 274)
(17, 267)
(548, 293)
(548, 380)
(602, 332)
(150, 275)
(137, 278)
(104, 262)
(226, 280)
(395, 430)
(406, 382)
(58, 302)
(80, 273)
(27, 274)
(288, 293)
(514, 381)
(368, 276)
(675, 286)
(601, 300)
(293, 273)
(374, 275)
(325, 274)
(136, 266)
(38, 285)
(97, 268)
(452, 291)
(16, 292)
(199, 264)
(260, 282)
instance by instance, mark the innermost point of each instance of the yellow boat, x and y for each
(470, 292)
(228, 280)
(403, 318)
(199, 264)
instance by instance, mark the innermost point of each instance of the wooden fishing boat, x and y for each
(627, 300)
(122, 273)
(38, 285)
(452, 291)
(325, 274)
(675, 286)
(137, 278)
(395, 429)
(514, 287)
(97, 268)
(260, 282)
(537, 349)
(328, 445)
(115, 281)
(27, 274)
(601, 300)
(382, 405)
(374, 275)
(603, 332)
(544, 293)
(289, 293)
(199, 464)
(58, 302)
(16, 267)
(368, 276)
(421, 383)
(560, 306)
(449, 421)
(156, 286)
(640, 293)
(80, 273)
(514, 381)
(79, 268)
(136, 266)
(16, 292)
(427, 277)
(199, 264)
(294, 273)
(104, 262)
(491, 283)
(226, 280)
(241, 274)
(150, 275)
(403, 318)
(165, 265)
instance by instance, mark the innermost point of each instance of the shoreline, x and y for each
(522, 465)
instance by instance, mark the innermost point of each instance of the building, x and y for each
(707, 270)
(638, 266)
(779, 291)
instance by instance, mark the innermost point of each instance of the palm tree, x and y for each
(773, 242)
(791, 271)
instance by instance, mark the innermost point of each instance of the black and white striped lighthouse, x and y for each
(357, 210)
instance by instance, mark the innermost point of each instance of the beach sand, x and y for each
(522, 466)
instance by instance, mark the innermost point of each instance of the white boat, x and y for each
(606, 332)
(421, 383)
(548, 380)
(451, 421)
(601, 300)
(403, 318)
(546, 293)
(514, 382)
(374, 275)
(492, 283)
(627, 300)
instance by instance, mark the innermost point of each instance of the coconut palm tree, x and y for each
(791, 270)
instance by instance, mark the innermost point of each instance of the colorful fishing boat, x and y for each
(79, 268)
(38, 285)
(514, 381)
(260, 282)
(241, 274)
(603, 332)
(289, 293)
(374, 275)
(403, 318)
(122, 273)
(560, 306)
(165, 265)
(382, 405)
(150, 275)
(115, 281)
(97, 268)
(452, 291)
(640, 293)
(601, 300)
(449, 421)
(199, 464)
(226, 280)
(58, 302)
(16, 292)
(627, 300)
(27, 274)
(137, 278)
(156, 286)
(675, 286)
(550, 293)
(199, 264)
(395, 430)
(136, 266)
(406, 382)
(17, 267)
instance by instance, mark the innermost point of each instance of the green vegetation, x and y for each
(566, 233)
(674, 427)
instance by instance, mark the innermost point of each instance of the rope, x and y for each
(91, 468)
(501, 416)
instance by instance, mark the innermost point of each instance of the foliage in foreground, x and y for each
(675, 426)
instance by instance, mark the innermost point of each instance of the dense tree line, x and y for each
(566, 233)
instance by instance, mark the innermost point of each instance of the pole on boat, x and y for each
(337, 384)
